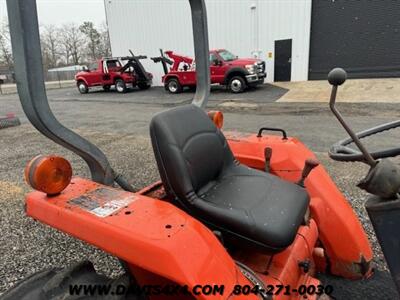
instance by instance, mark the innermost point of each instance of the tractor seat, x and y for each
(200, 173)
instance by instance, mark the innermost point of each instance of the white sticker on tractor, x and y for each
(103, 202)
(111, 207)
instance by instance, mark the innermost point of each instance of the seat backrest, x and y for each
(190, 150)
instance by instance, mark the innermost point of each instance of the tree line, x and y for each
(64, 45)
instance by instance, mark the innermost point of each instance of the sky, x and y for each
(65, 11)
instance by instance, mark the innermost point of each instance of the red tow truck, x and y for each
(121, 72)
(225, 69)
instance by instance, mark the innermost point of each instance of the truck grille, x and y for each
(261, 67)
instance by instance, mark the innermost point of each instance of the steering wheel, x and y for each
(341, 152)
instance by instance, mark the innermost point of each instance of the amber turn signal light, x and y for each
(48, 174)
(217, 117)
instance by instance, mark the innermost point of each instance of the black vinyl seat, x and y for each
(199, 171)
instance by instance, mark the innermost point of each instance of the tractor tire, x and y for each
(237, 84)
(144, 86)
(82, 87)
(120, 86)
(56, 284)
(106, 88)
(173, 86)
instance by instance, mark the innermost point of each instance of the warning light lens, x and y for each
(48, 174)
(217, 117)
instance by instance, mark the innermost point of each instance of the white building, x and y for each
(298, 39)
(75, 68)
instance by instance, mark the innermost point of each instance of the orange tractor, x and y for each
(235, 216)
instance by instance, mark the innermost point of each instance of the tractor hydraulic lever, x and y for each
(337, 77)
(309, 165)
(267, 156)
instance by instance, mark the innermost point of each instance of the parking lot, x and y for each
(118, 124)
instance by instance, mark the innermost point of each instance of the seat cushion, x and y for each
(256, 205)
(190, 151)
(203, 177)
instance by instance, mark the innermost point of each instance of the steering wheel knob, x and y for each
(337, 76)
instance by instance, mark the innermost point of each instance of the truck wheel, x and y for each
(237, 84)
(106, 88)
(144, 86)
(82, 87)
(120, 86)
(173, 86)
(58, 284)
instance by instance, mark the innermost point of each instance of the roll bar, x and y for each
(25, 40)
(201, 51)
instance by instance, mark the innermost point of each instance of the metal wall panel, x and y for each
(361, 36)
(287, 19)
(242, 26)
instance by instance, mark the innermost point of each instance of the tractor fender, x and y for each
(235, 71)
(169, 238)
(338, 226)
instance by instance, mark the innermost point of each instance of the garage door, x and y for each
(361, 36)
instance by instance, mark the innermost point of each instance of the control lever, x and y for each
(309, 165)
(337, 77)
(383, 178)
(267, 156)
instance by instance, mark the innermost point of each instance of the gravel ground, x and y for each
(28, 246)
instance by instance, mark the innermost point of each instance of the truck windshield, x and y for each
(226, 55)
(92, 67)
(113, 64)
